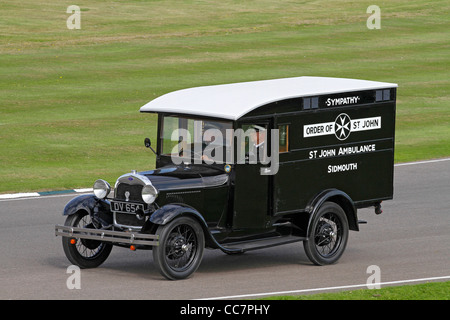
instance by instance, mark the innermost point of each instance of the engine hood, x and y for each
(185, 177)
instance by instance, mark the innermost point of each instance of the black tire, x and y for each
(84, 253)
(180, 249)
(328, 235)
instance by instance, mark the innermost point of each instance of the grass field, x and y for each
(426, 291)
(70, 99)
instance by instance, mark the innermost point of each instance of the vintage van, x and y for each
(245, 166)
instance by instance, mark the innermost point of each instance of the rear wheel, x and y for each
(328, 235)
(180, 250)
(84, 253)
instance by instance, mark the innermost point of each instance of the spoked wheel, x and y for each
(180, 250)
(84, 253)
(328, 235)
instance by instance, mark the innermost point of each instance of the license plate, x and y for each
(126, 207)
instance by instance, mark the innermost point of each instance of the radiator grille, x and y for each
(134, 190)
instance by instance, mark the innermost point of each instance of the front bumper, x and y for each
(122, 237)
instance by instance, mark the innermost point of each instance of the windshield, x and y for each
(198, 139)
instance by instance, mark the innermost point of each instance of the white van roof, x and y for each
(232, 101)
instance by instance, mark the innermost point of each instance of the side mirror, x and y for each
(148, 144)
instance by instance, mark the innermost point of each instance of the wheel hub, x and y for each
(325, 234)
(88, 243)
(178, 246)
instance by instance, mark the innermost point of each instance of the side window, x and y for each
(284, 138)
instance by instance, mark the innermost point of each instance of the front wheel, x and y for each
(328, 235)
(180, 250)
(83, 252)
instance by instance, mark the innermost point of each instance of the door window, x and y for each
(253, 143)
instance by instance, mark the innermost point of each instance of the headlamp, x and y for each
(101, 189)
(149, 193)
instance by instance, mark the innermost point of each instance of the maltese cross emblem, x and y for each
(342, 126)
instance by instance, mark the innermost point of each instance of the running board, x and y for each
(239, 247)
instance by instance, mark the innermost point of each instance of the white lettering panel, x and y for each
(318, 129)
(341, 127)
(366, 124)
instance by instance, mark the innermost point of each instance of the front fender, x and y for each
(98, 209)
(85, 202)
(169, 212)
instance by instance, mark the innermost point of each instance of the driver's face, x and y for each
(258, 137)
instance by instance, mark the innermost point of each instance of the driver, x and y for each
(257, 142)
(212, 135)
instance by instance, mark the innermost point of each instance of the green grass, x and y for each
(70, 99)
(426, 291)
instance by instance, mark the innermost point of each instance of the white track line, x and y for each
(324, 289)
(420, 162)
(30, 196)
(19, 195)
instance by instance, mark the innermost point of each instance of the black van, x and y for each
(246, 166)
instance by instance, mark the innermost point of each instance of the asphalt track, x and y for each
(408, 243)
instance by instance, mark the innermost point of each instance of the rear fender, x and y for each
(339, 197)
